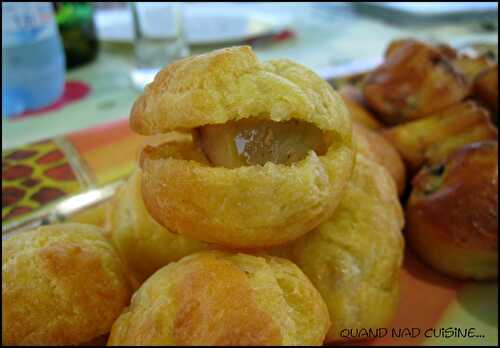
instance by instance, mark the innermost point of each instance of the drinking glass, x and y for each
(158, 38)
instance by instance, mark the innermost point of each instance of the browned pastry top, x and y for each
(460, 196)
(415, 79)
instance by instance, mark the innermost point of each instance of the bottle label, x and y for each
(24, 23)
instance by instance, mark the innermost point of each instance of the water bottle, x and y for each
(33, 65)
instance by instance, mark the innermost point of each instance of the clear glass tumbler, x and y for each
(158, 38)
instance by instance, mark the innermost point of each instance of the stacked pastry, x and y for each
(265, 223)
(442, 105)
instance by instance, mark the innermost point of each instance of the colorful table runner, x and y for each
(39, 174)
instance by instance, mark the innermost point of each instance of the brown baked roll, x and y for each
(433, 138)
(354, 259)
(143, 244)
(453, 213)
(470, 61)
(216, 298)
(414, 80)
(271, 151)
(486, 88)
(472, 67)
(61, 285)
(377, 148)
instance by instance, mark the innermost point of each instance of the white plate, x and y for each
(204, 23)
(438, 8)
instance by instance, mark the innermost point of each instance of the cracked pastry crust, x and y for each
(354, 259)
(231, 84)
(218, 298)
(143, 244)
(250, 206)
(62, 284)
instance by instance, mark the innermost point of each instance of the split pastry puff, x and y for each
(270, 156)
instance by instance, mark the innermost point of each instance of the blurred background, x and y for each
(72, 71)
(112, 49)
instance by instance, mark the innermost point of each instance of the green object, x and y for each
(77, 28)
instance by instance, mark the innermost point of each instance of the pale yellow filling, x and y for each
(256, 142)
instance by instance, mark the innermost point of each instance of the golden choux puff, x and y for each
(215, 298)
(62, 284)
(143, 244)
(374, 146)
(453, 213)
(271, 151)
(354, 259)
